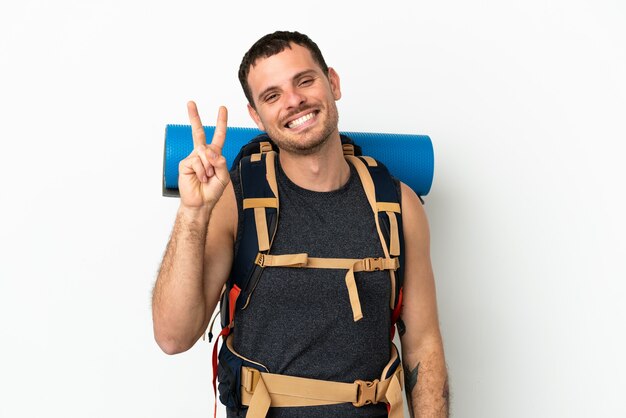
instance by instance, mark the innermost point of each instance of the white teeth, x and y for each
(299, 121)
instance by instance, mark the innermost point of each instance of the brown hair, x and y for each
(272, 44)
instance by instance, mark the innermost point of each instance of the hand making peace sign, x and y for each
(203, 175)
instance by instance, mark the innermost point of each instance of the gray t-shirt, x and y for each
(299, 321)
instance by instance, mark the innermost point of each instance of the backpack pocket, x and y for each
(229, 374)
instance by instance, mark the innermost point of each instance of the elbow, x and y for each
(170, 345)
(174, 336)
(170, 348)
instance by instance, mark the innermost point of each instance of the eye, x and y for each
(306, 82)
(270, 98)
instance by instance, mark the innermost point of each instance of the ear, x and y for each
(255, 117)
(335, 85)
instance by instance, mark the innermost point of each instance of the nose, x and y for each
(294, 99)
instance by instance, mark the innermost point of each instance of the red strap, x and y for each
(396, 313)
(232, 302)
(224, 333)
(398, 309)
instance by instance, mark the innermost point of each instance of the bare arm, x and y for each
(198, 257)
(425, 374)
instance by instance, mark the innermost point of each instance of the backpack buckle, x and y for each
(373, 264)
(365, 392)
(250, 378)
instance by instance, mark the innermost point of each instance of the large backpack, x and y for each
(261, 203)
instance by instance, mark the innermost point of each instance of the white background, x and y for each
(525, 103)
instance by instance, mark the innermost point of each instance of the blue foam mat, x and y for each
(408, 157)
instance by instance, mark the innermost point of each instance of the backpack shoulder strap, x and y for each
(258, 145)
(383, 194)
(260, 205)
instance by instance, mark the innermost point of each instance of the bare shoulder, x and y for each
(415, 222)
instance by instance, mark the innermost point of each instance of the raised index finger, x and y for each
(219, 136)
(197, 131)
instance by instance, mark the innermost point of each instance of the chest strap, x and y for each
(351, 264)
(260, 391)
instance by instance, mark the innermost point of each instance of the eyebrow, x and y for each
(295, 77)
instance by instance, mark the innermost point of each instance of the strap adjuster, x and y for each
(265, 147)
(348, 149)
(252, 379)
(373, 264)
(260, 260)
(365, 393)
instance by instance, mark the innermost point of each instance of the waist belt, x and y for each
(260, 390)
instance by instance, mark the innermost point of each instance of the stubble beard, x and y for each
(307, 143)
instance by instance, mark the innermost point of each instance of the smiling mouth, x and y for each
(301, 120)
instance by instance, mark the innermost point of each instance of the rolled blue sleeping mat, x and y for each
(408, 157)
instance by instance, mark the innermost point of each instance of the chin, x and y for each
(299, 146)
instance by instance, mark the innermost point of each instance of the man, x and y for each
(299, 322)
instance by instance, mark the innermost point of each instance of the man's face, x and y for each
(295, 101)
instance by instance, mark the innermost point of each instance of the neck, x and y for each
(323, 171)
